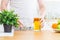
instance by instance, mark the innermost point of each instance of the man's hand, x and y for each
(42, 22)
(20, 24)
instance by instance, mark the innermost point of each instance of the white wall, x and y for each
(51, 0)
(52, 9)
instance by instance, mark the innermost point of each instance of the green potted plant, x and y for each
(8, 19)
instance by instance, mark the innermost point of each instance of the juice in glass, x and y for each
(37, 24)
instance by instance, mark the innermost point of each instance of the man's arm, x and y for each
(42, 11)
(41, 7)
(4, 4)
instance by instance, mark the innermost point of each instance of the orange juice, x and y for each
(37, 24)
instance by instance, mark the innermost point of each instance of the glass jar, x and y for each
(37, 24)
